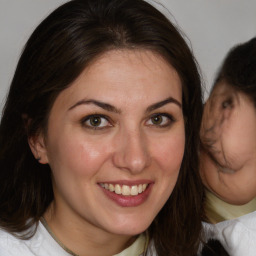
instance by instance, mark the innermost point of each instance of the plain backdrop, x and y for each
(211, 28)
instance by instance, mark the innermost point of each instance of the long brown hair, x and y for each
(67, 41)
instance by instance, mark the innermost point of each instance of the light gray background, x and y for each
(212, 26)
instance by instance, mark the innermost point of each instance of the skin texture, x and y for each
(228, 134)
(126, 148)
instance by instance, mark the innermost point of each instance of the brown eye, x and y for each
(160, 120)
(95, 121)
(157, 120)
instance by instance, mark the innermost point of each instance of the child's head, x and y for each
(228, 130)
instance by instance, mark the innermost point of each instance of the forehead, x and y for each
(127, 75)
(131, 60)
(222, 88)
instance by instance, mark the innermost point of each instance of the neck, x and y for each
(83, 238)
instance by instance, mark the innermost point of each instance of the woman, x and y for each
(97, 136)
(228, 158)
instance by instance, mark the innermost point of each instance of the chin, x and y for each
(236, 199)
(131, 229)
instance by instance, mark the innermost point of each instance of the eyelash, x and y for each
(170, 120)
(87, 121)
(90, 126)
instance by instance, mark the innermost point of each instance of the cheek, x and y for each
(77, 155)
(239, 142)
(169, 153)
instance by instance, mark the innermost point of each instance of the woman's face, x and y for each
(228, 132)
(115, 142)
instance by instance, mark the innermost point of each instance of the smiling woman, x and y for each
(100, 155)
(97, 136)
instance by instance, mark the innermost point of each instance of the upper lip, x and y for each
(128, 182)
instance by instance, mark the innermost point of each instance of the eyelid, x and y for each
(163, 114)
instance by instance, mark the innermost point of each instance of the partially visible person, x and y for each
(228, 155)
(99, 137)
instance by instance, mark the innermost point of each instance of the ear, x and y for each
(38, 148)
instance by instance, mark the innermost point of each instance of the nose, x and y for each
(131, 152)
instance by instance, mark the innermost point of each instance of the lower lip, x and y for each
(128, 201)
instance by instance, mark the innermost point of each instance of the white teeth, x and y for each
(134, 190)
(118, 189)
(125, 190)
(111, 187)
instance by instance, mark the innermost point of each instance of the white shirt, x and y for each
(43, 244)
(238, 236)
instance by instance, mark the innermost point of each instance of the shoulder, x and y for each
(237, 236)
(40, 244)
(11, 246)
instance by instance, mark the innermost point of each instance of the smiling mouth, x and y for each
(125, 190)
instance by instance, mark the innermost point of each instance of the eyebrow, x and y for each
(100, 104)
(111, 108)
(162, 103)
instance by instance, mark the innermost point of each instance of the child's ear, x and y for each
(38, 148)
